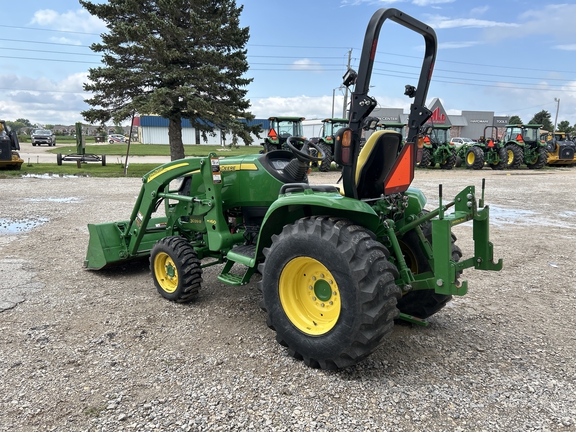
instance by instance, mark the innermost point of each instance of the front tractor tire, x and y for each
(329, 291)
(176, 269)
(502, 159)
(449, 162)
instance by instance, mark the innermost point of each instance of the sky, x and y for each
(509, 57)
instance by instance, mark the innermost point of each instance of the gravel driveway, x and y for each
(102, 351)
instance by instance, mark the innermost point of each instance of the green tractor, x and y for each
(523, 145)
(326, 140)
(281, 128)
(395, 126)
(338, 265)
(438, 149)
(488, 150)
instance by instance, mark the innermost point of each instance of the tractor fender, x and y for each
(293, 206)
(290, 207)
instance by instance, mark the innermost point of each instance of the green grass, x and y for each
(86, 170)
(156, 150)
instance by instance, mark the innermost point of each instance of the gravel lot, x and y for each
(102, 351)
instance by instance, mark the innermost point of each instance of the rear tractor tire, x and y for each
(329, 291)
(326, 155)
(426, 159)
(422, 303)
(540, 160)
(514, 156)
(475, 158)
(449, 162)
(501, 164)
(176, 269)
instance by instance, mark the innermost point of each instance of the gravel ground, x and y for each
(103, 351)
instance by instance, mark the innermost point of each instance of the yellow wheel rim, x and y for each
(166, 272)
(510, 156)
(470, 158)
(309, 296)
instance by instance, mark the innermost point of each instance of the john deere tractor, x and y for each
(488, 150)
(438, 149)
(523, 145)
(9, 146)
(561, 148)
(339, 264)
(326, 140)
(281, 128)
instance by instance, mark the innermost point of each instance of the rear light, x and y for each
(343, 147)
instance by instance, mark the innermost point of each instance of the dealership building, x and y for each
(469, 124)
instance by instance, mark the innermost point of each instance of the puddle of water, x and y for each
(501, 216)
(67, 200)
(51, 176)
(18, 226)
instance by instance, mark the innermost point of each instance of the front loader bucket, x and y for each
(106, 246)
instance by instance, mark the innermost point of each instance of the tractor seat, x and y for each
(375, 162)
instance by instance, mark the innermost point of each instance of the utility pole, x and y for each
(557, 100)
(346, 88)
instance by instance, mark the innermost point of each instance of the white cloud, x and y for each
(441, 22)
(571, 47)
(41, 100)
(479, 10)
(430, 2)
(73, 21)
(307, 65)
(456, 45)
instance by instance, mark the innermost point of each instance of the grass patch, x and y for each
(119, 149)
(86, 170)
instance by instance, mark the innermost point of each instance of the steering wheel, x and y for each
(303, 155)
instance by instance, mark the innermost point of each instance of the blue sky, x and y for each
(510, 57)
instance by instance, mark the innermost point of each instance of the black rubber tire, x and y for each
(540, 160)
(502, 155)
(449, 162)
(426, 159)
(33, 144)
(458, 162)
(363, 291)
(269, 147)
(176, 255)
(514, 156)
(103, 160)
(326, 162)
(422, 303)
(475, 158)
(59, 159)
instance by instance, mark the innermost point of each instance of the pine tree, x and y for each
(173, 58)
(543, 118)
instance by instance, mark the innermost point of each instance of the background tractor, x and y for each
(9, 146)
(523, 145)
(437, 148)
(281, 128)
(488, 150)
(338, 265)
(326, 140)
(561, 148)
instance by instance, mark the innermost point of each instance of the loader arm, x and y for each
(118, 241)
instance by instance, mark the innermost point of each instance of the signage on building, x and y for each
(478, 121)
(389, 118)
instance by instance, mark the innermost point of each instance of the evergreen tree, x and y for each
(543, 118)
(515, 120)
(174, 58)
(564, 126)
